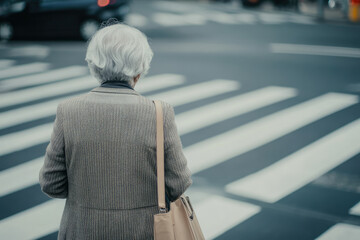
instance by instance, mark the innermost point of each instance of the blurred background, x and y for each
(266, 96)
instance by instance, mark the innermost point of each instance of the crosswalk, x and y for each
(204, 105)
(44, 77)
(166, 19)
(176, 14)
(315, 160)
(23, 69)
(254, 134)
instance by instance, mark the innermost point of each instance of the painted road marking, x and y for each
(231, 107)
(244, 210)
(211, 152)
(20, 176)
(268, 18)
(218, 214)
(41, 134)
(200, 117)
(341, 231)
(261, 131)
(159, 82)
(315, 50)
(136, 20)
(300, 168)
(23, 69)
(355, 210)
(4, 63)
(50, 90)
(197, 91)
(46, 77)
(17, 141)
(34, 222)
(170, 19)
(29, 113)
(30, 51)
(79, 84)
(48, 108)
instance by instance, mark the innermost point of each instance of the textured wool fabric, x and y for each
(102, 159)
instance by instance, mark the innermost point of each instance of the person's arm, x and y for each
(177, 173)
(53, 176)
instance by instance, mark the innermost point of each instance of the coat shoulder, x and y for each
(165, 104)
(71, 100)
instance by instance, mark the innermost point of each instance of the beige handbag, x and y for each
(180, 222)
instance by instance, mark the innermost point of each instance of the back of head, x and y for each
(118, 53)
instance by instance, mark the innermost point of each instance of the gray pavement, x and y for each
(267, 106)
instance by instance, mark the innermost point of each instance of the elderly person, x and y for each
(102, 152)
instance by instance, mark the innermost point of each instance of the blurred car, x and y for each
(36, 18)
(244, 3)
(251, 3)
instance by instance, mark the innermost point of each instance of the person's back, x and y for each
(102, 159)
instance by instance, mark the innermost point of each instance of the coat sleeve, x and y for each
(177, 173)
(53, 176)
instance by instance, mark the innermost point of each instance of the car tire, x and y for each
(88, 28)
(6, 31)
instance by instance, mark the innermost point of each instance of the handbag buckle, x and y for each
(162, 210)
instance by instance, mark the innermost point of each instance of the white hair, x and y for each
(118, 53)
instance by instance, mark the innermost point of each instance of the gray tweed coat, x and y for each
(102, 159)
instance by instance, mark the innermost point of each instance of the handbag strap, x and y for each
(160, 155)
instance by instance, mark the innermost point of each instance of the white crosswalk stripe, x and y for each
(21, 176)
(23, 69)
(300, 168)
(29, 113)
(34, 222)
(355, 210)
(197, 91)
(254, 134)
(169, 19)
(41, 134)
(174, 14)
(173, 6)
(54, 89)
(75, 85)
(315, 50)
(271, 18)
(4, 63)
(341, 231)
(266, 184)
(17, 141)
(159, 82)
(230, 107)
(48, 108)
(46, 77)
(136, 20)
(36, 51)
(223, 18)
(218, 214)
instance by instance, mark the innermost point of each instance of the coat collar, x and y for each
(115, 90)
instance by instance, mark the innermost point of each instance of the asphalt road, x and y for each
(267, 105)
